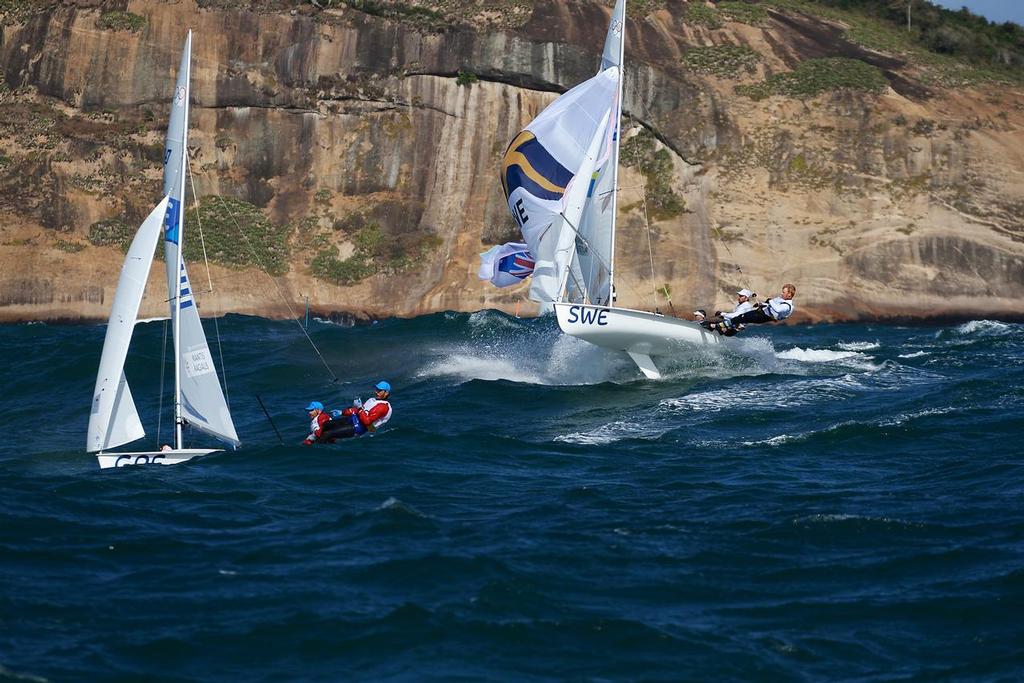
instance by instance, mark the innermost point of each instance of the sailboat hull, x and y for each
(171, 457)
(639, 333)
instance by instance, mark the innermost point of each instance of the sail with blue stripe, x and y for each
(557, 175)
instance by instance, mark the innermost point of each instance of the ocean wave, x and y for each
(466, 367)
(827, 356)
(903, 418)
(984, 328)
(619, 430)
(792, 394)
(531, 359)
(859, 346)
(857, 520)
(915, 354)
(776, 440)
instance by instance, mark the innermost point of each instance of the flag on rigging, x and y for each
(506, 264)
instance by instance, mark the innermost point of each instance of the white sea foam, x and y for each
(467, 367)
(776, 440)
(983, 328)
(532, 359)
(617, 431)
(902, 418)
(859, 346)
(916, 354)
(817, 355)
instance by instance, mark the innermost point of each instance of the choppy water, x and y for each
(838, 502)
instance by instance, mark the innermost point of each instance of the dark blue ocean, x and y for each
(823, 503)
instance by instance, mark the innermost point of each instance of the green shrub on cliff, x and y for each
(116, 20)
(954, 47)
(699, 13)
(421, 17)
(375, 252)
(236, 233)
(640, 151)
(18, 11)
(816, 76)
(743, 12)
(724, 61)
(111, 232)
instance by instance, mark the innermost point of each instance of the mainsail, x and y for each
(573, 143)
(200, 400)
(114, 421)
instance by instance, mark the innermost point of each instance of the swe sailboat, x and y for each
(198, 398)
(560, 177)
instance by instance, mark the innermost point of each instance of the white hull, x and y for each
(172, 457)
(638, 333)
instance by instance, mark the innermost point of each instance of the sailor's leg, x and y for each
(645, 364)
(337, 429)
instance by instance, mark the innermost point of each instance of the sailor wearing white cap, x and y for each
(743, 304)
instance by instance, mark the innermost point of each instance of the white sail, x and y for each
(201, 400)
(577, 199)
(596, 247)
(544, 160)
(114, 420)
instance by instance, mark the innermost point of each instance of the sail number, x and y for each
(197, 362)
(138, 460)
(588, 316)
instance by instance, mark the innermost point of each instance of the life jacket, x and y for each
(378, 412)
(778, 308)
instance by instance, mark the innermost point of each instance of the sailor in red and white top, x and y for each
(318, 418)
(361, 417)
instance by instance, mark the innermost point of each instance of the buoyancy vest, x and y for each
(778, 308)
(378, 411)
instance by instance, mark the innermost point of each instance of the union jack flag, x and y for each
(518, 265)
(506, 265)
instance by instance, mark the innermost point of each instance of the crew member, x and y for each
(361, 417)
(743, 305)
(773, 310)
(318, 418)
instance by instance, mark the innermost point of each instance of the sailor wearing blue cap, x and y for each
(318, 417)
(360, 418)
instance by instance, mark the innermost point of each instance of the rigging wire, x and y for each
(647, 218)
(163, 366)
(209, 280)
(711, 220)
(277, 285)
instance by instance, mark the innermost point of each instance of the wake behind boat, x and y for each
(198, 398)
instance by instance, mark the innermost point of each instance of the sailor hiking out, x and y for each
(361, 418)
(773, 310)
(744, 304)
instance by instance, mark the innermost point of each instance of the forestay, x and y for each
(113, 420)
(201, 399)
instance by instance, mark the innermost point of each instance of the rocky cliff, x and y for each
(353, 151)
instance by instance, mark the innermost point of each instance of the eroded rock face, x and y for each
(908, 202)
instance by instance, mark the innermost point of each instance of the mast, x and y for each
(621, 18)
(181, 246)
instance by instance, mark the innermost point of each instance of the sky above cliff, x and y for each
(993, 10)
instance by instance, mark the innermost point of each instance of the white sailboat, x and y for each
(198, 398)
(560, 177)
